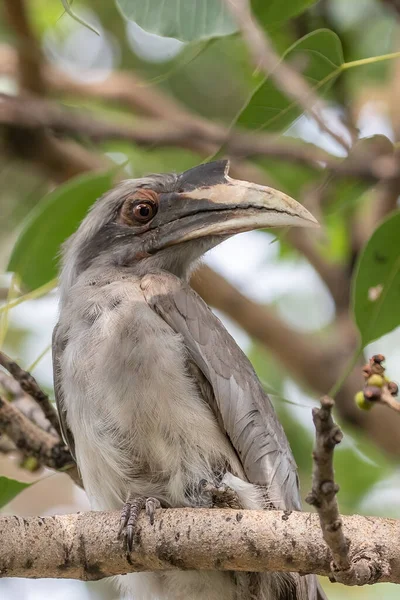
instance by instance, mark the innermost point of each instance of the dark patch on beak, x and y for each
(202, 176)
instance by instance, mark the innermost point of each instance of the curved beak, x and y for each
(207, 202)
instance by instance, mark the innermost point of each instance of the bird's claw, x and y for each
(222, 496)
(152, 504)
(130, 515)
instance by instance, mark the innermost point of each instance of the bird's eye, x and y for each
(139, 208)
(143, 211)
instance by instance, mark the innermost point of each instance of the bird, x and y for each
(157, 403)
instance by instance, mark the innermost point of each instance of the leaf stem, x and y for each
(369, 61)
(38, 293)
(346, 372)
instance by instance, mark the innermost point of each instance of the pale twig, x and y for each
(355, 568)
(324, 488)
(388, 400)
(288, 80)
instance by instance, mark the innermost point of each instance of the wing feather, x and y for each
(58, 345)
(245, 410)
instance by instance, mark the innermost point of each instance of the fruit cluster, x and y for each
(376, 383)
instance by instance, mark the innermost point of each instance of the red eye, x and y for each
(144, 211)
(139, 208)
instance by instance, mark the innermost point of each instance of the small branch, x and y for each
(394, 5)
(86, 546)
(324, 488)
(378, 389)
(362, 565)
(36, 114)
(29, 52)
(289, 81)
(388, 400)
(31, 440)
(25, 403)
(29, 384)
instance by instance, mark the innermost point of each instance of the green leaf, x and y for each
(268, 108)
(35, 255)
(376, 283)
(270, 14)
(184, 20)
(9, 488)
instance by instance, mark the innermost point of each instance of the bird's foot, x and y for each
(221, 495)
(130, 515)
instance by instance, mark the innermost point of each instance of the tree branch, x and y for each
(29, 384)
(289, 81)
(324, 488)
(29, 52)
(37, 115)
(23, 402)
(31, 440)
(358, 567)
(297, 351)
(86, 546)
(59, 160)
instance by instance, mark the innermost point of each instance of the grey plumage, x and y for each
(153, 393)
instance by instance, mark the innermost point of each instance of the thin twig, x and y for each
(387, 399)
(289, 81)
(29, 384)
(351, 569)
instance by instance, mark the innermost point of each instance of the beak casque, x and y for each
(208, 202)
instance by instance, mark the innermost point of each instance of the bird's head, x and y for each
(168, 221)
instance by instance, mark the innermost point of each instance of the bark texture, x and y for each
(86, 546)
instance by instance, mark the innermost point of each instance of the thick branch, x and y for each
(86, 546)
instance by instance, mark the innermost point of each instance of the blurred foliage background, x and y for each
(157, 90)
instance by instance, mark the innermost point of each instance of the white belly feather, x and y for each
(138, 420)
(140, 424)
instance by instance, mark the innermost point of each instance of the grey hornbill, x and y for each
(157, 402)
